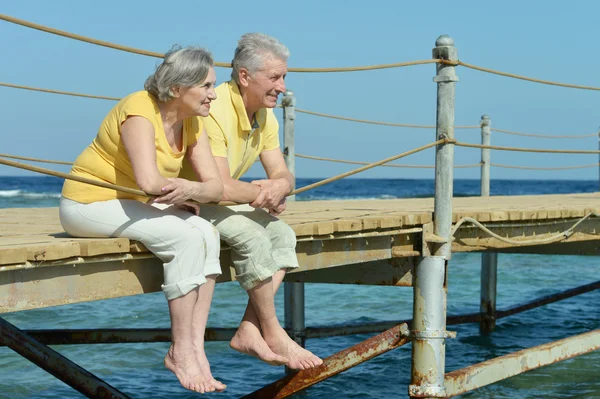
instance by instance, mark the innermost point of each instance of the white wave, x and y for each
(9, 193)
(41, 195)
(21, 194)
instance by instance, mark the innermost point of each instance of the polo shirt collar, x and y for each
(260, 117)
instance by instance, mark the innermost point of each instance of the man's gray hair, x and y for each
(181, 67)
(253, 50)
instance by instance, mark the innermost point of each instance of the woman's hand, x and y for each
(177, 191)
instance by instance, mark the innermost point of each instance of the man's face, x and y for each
(268, 82)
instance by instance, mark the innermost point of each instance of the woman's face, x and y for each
(196, 100)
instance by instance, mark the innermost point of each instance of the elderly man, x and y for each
(241, 127)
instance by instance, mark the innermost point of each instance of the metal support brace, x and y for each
(54, 363)
(293, 292)
(489, 261)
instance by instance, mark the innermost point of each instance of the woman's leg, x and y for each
(205, 292)
(183, 249)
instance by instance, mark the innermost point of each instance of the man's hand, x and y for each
(272, 192)
(176, 192)
(190, 206)
(279, 208)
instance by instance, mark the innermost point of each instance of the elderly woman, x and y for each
(141, 144)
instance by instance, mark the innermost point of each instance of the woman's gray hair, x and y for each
(181, 67)
(253, 50)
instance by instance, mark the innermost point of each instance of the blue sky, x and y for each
(548, 40)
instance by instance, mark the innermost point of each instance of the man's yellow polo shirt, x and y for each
(232, 135)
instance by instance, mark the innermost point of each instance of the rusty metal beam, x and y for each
(335, 364)
(548, 299)
(500, 368)
(54, 363)
(125, 335)
(131, 335)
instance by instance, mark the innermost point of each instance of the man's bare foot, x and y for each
(205, 368)
(282, 344)
(184, 365)
(248, 340)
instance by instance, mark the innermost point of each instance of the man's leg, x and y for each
(248, 231)
(263, 306)
(248, 338)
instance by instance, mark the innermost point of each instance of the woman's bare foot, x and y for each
(205, 368)
(248, 340)
(282, 344)
(185, 366)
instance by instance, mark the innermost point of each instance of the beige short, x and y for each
(189, 246)
(261, 244)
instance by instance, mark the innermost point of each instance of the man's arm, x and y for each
(278, 185)
(235, 190)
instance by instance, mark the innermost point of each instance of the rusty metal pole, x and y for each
(293, 292)
(56, 364)
(489, 261)
(429, 284)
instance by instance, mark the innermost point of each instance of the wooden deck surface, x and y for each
(35, 234)
(374, 242)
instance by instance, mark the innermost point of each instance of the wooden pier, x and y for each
(373, 242)
(404, 242)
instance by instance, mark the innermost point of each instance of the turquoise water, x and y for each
(137, 369)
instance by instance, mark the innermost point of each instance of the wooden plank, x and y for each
(101, 246)
(11, 255)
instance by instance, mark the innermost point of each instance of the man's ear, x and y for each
(244, 77)
(175, 91)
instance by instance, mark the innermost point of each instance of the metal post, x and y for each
(598, 161)
(429, 284)
(486, 136)
(489, 261)
(56, 364)
(293, 292)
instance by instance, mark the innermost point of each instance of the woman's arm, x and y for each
(137, 134)
(209, 188)
(209, 185)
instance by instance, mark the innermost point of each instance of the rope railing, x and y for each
(557, 237)
(51, 172)
(66, 93)
(407, 125)
(515, 76)
(545, 168)
(35, 159)
(343, 161)
(134, 50)
(344, 118)
(519, 149)
(142, 193)
(370, 166)
(545, 136)
(390, 165)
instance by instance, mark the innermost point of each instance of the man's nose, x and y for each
(280, 87)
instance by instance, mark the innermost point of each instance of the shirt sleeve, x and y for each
(216, 137)
(137, 105)
(272, 133)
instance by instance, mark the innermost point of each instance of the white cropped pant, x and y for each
(188, 245)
